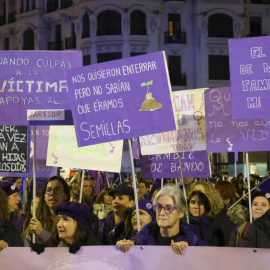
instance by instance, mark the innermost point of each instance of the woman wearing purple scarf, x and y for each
(170, 206)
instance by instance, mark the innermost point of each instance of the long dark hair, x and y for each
(4, 212)
(28, 214)
(100, 197)
(43, 211)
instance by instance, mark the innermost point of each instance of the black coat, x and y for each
(10, 234)
(222, 228)
(258, 235)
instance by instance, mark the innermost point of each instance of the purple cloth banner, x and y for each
(226, 135)
(143, 258)
(34, 80)
(249, 75)
(195, 164)
(121, 99)
(136, 150)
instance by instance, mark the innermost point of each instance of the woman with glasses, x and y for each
(170, 206)
(55, 192)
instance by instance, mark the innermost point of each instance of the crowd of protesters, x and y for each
(212, 214)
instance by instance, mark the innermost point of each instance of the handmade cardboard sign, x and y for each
(223, 134)
(249, 76)
(35, 80)
(63, 151)
(42, 136)
(194, 164)
(121, 99)
(190, 114)
(13, 148)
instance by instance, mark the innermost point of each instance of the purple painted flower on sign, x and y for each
(113, 147)
(149, 104)
(55, 161)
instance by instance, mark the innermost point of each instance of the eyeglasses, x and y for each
(167, 208)
(56, 190)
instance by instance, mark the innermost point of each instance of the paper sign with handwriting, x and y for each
(63, 151)
(224, 134)
(189, 109)
(42, 135)
(194, 164)
(13, 148)
(35, 80)
(121, 99)
(250, 77)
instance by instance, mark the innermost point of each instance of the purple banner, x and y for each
(139, 257)
(34, 80)
(249, 76)
(136, 150)
(195, 164)
(226, 135)
(121, 99)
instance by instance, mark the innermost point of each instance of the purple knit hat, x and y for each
(9, 187)
(147, 206)
(77, 211)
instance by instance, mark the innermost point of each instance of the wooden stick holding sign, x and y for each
(34, 178)
(249, 192)
(183, 182)
(134, 184)
(81, 191)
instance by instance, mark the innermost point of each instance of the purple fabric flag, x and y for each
(226, 135)
(249, 76)
(121, 99)
(35, 80)
(195, 164)
(136, 150)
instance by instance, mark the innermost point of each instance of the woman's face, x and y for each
(107, 199)
(37, 202)
(144, 218)
(18, 183)
(200, 188)
(196, 209)
(66, 228)
(13, 202)
(259, 206)
(121, 203)
(167, 219)
(54, 194)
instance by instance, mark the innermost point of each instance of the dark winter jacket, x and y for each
(222, 228)
(258, 235)
(202, 227)
(150, 232)
(109, 233)
(17, 221)
(10, 234)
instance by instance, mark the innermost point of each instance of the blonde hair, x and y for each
(217, 204)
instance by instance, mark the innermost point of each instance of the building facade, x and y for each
(193, 33)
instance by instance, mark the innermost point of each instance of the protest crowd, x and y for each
(212, 214)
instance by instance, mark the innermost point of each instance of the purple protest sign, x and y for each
(249, 76)
(121, 99)
(226, 135)
(35, 80)
(195, 164)
(136, 150)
